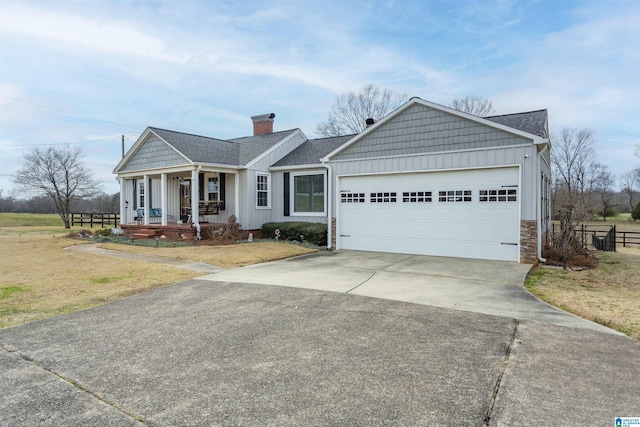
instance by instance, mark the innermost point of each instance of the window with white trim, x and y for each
(501, 195)
(383, 197)
(141, 194)
(416, 197)
(213, 187)
(308, 193)
(352, 198)
(454, 196)
(262, 190)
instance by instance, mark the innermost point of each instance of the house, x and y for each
(425, 179)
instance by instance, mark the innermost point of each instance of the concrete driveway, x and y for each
(489, 287)
(227, 353)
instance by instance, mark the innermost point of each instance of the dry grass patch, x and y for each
(38, 279)
(226, 256)
(608, 294)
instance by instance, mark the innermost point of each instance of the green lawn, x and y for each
(8, 219)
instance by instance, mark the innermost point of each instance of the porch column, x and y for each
(195, 196)
(146, 199)
(236, 195)
(123, 206)
(163, 197)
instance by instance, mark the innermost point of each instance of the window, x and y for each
(416, 197)
(213, 193)
(505, 195)
(308, 193)
(383, 197)
(352, 198)
(454, 196)
(262, 190)
(141, 194)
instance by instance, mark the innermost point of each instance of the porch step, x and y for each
(144, 234)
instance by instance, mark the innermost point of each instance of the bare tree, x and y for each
(628, 182)
(350, 110)
(602, 188)
(59, 174)
(472, 104)
(572, 157)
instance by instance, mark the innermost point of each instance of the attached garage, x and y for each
(467, 214)
(430, 180)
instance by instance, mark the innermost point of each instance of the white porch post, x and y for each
(146, 199)
(195, 196)
(236, 195)
(123, 206)
(163, 197)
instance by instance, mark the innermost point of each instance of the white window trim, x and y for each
(292, 198)
(141, 185)
(255, 181)
(206, 185)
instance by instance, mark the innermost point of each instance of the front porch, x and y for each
(175, 231)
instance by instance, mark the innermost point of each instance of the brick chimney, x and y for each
(263, 123)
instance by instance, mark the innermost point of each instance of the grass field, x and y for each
(39, 279)
(608, 294)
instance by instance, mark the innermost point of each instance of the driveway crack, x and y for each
(77, 385)
(503, 368)
(357, 286)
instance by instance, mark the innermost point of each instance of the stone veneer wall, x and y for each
(528, 242)
(333, 233)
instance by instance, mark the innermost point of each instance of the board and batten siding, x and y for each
(253, 217)
(154, 198)
(489, 157)
(421, 129)
(153, 154)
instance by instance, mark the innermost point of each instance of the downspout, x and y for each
(539, 204)
(195, 212)
(329, 203)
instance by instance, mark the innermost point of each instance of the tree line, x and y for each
(109, 203)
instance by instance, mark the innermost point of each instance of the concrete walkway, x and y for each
(93, 249)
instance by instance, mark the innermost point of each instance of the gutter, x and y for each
(539, 204)
(329, 202)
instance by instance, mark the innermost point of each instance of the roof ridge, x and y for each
(191, 134)
(263, 134)
(335, 136)
(514, 114)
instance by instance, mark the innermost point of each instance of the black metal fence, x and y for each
(606, 243)
(92, 219)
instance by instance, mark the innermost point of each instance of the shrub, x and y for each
(635, 213)
(103, 232)
(313, 232)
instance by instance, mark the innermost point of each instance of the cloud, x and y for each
(64, 30)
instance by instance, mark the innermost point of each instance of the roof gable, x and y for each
(421, 126)
(157, 148)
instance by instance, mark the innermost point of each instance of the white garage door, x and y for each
(466, 214)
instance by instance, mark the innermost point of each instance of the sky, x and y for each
(86, 72)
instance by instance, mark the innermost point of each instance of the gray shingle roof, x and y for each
(311, 151)
(252, 146)
(233, 152)
(534, 122)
